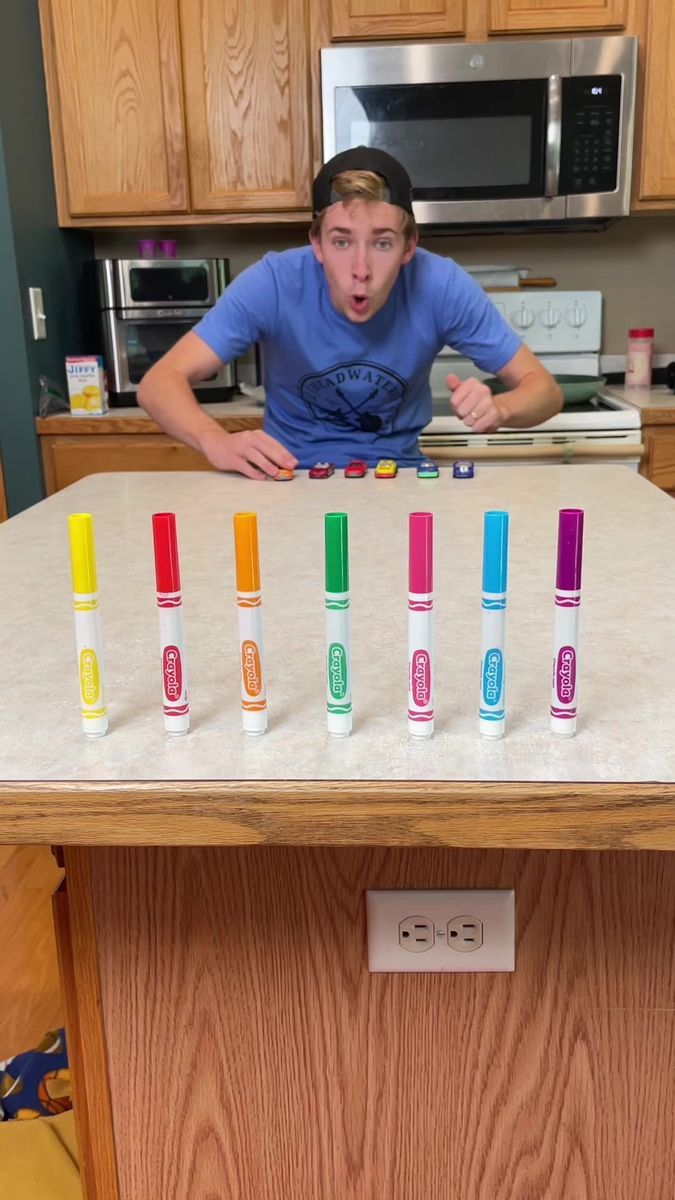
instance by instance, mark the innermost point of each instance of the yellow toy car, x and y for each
(386, 469)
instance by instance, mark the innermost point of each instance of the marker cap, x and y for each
(82, 553)
(421, 552)
(495, 551)
(246, 554)
(167, 570)
(570, 549)
(336, 528)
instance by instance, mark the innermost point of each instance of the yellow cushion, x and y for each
(39, 1159)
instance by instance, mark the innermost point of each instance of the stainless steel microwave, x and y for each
(510, 133)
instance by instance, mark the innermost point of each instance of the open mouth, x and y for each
(359, 303)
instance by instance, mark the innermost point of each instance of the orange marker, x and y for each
(249, 605)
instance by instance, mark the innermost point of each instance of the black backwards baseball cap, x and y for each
(363, 158)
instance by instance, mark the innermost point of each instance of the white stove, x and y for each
(564, 330)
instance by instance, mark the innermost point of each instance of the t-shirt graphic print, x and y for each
(362, 396)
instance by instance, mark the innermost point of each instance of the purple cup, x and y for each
(146, 248)
(167, 248)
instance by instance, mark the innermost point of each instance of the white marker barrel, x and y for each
(564, 675)
(420, 664)
(173, 663)
(252, 656)
(338, 665)
(90, 664)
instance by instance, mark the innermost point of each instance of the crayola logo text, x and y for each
(566, 674)
(493, 676)
(89, 677)
(337, 671)
(172, 672)
(420, 677)
(250, 668)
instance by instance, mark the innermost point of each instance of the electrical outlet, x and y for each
(459, 931)
(416, 934)
(465, 934)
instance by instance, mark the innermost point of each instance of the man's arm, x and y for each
(534, 396)
(166, 394)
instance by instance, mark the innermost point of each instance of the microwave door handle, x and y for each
(553, 136)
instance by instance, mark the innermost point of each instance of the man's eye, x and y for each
(340, 243)
(383, 244)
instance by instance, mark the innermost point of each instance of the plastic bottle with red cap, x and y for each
(639, 357)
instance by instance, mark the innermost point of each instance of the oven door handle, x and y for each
(553, 136)
(564, 451)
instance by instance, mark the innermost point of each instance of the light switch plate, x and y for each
(427, 930)
(37, 313)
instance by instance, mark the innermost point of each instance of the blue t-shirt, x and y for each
(336, 389)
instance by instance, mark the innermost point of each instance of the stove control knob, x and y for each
(576, 317)
(522, 318)
(550, 316)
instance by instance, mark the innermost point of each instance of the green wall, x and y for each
(34, 252)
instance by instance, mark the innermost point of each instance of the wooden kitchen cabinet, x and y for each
(136, 88)
(546, 16)
(115, 106)
(657, 163)
(401, 18)
(123, 440)
(658, 463)
(246, 79)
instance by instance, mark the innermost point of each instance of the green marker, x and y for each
(338, 655)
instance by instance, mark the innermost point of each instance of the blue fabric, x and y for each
(337, 389)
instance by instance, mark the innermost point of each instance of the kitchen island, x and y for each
(225, 1035)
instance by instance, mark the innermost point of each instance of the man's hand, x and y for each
(475, 405)
(250, 452)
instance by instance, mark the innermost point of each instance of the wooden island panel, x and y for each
(241, 1021)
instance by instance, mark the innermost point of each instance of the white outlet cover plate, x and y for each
(495, 908)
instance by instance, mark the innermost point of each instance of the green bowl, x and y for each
(575, 388)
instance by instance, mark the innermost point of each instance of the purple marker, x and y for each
(420, 624)
(567, 602)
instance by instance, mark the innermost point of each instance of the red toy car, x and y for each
(356, 469)
(321, 471)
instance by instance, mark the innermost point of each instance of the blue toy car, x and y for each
(462, 469)
(427, 469)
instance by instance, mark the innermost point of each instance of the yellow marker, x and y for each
(87, 624)
(249, 602)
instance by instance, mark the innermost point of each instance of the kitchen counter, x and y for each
(656, 404)
(135, 420)
(611, 784)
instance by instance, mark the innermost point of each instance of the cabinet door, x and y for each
(532, 16)
(246, 74)
(113, 67)
(395, 18)
(657, 174)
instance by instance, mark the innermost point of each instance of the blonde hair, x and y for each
(362, 185)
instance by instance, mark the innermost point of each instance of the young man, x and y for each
(349, 327)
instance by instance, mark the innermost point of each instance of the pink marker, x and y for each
(420, 624)
(567, 602)
(170, 609)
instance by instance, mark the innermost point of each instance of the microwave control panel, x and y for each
(589, 149)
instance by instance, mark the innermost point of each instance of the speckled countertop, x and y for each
(627, 692)
(658, 400)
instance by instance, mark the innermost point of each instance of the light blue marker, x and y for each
(492, 710)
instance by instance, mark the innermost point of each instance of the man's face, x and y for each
(362, 249)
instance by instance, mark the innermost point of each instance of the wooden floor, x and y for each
(30, 1000)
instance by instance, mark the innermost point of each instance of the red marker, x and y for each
(171, 641)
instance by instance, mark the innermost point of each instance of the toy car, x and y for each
(386, 469)
(321, 470)
(462, 469)
(427, 469)
(283, 474)
(356, 469)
